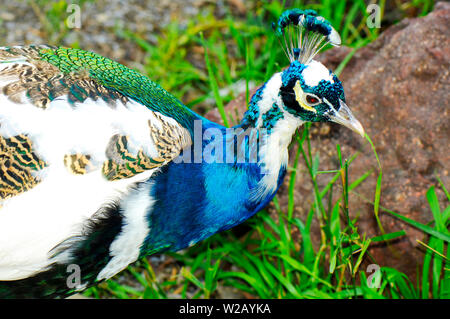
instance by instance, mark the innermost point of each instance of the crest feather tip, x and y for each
(334, 38)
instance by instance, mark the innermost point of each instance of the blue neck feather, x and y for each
(196, 200)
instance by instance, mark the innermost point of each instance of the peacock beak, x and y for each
(345, 117)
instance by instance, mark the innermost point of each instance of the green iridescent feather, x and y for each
(118, 77)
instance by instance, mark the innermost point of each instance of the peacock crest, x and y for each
(302, 34)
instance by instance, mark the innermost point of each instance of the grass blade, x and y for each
(422, 227)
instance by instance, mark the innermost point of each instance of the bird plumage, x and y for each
(101, 166)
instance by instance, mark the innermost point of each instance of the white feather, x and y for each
(86, 127)
(269, 96)
(273, 151)
(30, 229)
(125, 249)
(315, 72)
(34, 222)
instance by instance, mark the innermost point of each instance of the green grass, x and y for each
(267, 262)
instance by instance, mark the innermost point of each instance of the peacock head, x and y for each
(309, 91)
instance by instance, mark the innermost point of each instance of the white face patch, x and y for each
(315, 72)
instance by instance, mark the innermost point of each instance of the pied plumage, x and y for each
(100, 166)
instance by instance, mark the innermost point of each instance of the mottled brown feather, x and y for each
(169, 141)
(41, 82)
(78, 164)
(17, 164)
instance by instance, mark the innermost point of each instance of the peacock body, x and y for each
(100, 166)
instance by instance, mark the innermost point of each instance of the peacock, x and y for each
(100, 166)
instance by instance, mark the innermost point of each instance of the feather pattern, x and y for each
(70, 141)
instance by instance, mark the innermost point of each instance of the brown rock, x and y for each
(398, 87)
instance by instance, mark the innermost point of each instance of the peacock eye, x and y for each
(311, 99)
